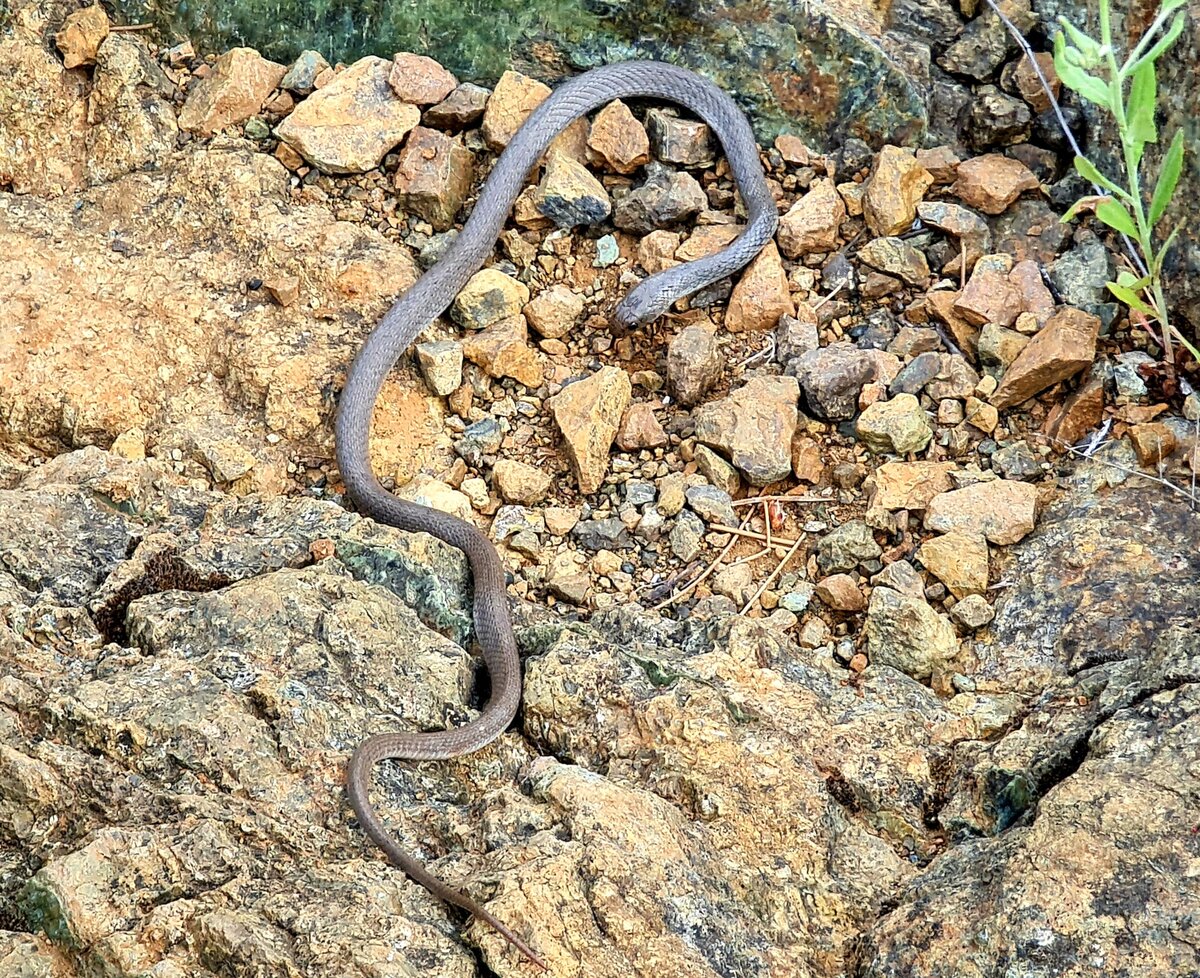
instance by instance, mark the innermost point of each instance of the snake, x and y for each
(427, 299)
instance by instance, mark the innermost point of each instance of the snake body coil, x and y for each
(427, 299)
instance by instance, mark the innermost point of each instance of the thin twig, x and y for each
(751, 535)
(770, 577)
(130, 27)
(838, 288)
(1062, 122)
(751, 500)
(678, 595)
(1194, 461)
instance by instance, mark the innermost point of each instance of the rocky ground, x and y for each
(920, 699)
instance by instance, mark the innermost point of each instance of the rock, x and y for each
(666, 197)
(569, 195)
(618, 140)
(132, 120)
(832, 378)
(896, 187)
(941, 162)
(671, 494)
(706, 240)
(761, 295)
(561, 520)
(959, 560)
(420, 80)
(796, 335)
(914, 375)
(510, 104)
(808, 461)
(1062, 348)
(607, 252)
(437, 495)
(895, 256)
(301, 77)
(754, 426)
(694, 363)
(639, 492)
(717, 471)
(640, 429)
(489, 297)
(982, 415)
(901, 576)
(571, 587)
(349, 125)
(845, 547)
(514, 97)
(996, 119)
(555, 311)
(81, 36)
(998, 348)
(712, 505)
(656, 251)
(441, 365)
(478, 440)
(1002, 510)
(990, 183)
(433, 176)
(839, 592)
(521, 483)
(1016, 461)
(940, 303)
(284, 289)
(1034, 297)
(910, 485)
(898, 425)
(905, 633)
(972, 612)
(956, 379)
(514, 521)
(1154, 442)
(461, 108)
(736, 582)
(687, 536)
(43, 122)
(503, 350)
(587, 413)
(676, 140)
(972, 231)
(792, 149)
(240, 81)
(989, 297)
(813, 223)
(1081, 274)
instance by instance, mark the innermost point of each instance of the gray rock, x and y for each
(1131, 386)
(916, 374)
(462, 107)
(675, 140)
(832, 377)
(441, 365)
(1082, 273)
(905, 633)
(797, 599)
(664, 199)
(686, 536)
(301, 77)
(639, 493)
(478, 440)
(1017, 461)
(972, 612)
(511, 520)
(845, 547)
(713, 505)
(694, 364)
(794, 338)
(606, 534)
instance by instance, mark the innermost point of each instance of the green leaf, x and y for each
(1164, 42)
(1126, 279)
(1140, 112)
(1116, 217)
(1088, 49)
(1132, 299)
(1078, 80)
(1087, 169)
(1168, 178)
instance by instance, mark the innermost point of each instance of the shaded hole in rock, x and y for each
(164, 571)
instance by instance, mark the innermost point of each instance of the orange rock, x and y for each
(990, 183)
(1062, 348)
(240, 82)
(896, 187)
(813, 222)
(1080, 413)
(1153, 442)
(761, 295)
(618, 140)
(420, 80)
(503, 350)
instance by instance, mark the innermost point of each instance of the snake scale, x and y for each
(428, 298)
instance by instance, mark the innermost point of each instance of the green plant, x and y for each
(1090, 68)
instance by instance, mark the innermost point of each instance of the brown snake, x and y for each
(429, 298)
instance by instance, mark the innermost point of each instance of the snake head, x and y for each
(643, 305)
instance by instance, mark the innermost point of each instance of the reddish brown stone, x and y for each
(1062, 348)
